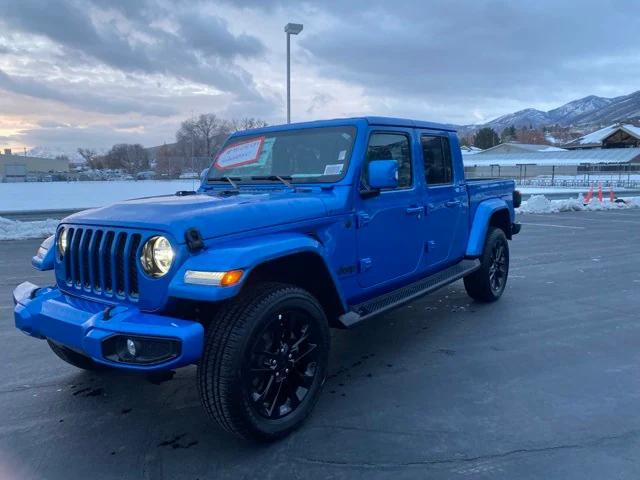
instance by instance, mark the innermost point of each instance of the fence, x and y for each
(626, 175)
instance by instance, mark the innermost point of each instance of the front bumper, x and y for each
(84, 326)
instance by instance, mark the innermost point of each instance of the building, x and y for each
(514, 147)
(614, 136)
(20, 168)
(563, 162)
(469, 149)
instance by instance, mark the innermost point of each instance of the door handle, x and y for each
(415, 210)
(452, 203)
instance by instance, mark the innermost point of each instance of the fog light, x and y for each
(140, 350)
(131, 347)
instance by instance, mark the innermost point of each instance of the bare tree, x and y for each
(131, 158)
(247, 123)
(90, 156)
(200, 136)
(167, 163)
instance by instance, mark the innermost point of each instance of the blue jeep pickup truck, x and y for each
(293, 230)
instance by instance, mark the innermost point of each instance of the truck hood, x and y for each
(213, 215)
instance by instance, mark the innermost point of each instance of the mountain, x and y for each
(53, 152)
(568, 113)
(591, 111)
(522, 118)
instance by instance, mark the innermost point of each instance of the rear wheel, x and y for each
(74, 358)
(265, 362)
(488, 282)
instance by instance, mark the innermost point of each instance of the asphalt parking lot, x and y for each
(543, 384)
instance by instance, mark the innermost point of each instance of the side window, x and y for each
(438, 168)
(391, 146)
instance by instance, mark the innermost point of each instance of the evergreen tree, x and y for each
(508, 134)
(486, 138)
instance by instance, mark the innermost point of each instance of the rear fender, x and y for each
(246, 254)
(480, 226)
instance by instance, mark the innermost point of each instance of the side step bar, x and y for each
(396, 298)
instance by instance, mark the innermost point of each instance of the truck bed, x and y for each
(480, 189)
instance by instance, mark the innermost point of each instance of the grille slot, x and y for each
(133, 268)
(103, 262)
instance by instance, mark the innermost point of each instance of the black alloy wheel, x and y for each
(487, 283)
(265, 361)
(498, 267)
(283, 364)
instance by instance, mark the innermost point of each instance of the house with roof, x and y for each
(621, 135)
(515, 147)
(559, 162)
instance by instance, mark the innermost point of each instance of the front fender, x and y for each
(44, 258)
(480, 225)
(243, 254)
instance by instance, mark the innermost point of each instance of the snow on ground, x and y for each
(549, 190)
(15, 230)
(541, 204)
(19, 197)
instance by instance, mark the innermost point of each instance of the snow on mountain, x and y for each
(585, 112)
(626, 107)
(53, 152)
(522, 118)
(567, 113)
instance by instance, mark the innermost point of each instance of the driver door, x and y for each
(390, 224)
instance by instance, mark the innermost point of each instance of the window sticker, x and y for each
(333, 169)
(342, 155)
(242, 153)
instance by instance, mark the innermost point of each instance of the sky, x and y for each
(91, 73)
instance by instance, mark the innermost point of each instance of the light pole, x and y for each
(290, 29)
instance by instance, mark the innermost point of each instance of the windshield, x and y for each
(309, 155)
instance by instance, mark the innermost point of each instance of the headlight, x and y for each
(157, 256)
(63, 242)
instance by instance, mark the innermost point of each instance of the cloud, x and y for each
(202, 51)
(72, 137)
(464, 50)
(121, 69)
(88, 101)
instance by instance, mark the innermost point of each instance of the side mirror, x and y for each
(203, 175)
(383, 174)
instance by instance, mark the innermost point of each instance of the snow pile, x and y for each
(16, 230)
(541, 204)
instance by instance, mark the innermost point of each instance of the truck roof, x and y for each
(382, 121)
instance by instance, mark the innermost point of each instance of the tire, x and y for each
(488, 282)
(264, 362)
(74, 358)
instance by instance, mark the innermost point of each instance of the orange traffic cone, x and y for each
(612, 197)
(589, 196)
(600, 192)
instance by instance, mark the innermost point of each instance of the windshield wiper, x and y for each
(228, 179)
(282, 178)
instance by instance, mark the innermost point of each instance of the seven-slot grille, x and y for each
(102, 261)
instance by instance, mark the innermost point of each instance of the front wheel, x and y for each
(488, 282)
(265, 362)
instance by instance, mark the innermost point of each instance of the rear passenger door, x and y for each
(445, 199)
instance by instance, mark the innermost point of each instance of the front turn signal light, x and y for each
(231, 278)
(218, 279)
